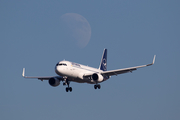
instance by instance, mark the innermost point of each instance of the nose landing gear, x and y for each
(66, 82)
(68, 88)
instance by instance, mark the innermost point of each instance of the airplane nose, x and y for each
(58, 70)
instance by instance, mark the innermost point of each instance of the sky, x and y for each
(133, 32)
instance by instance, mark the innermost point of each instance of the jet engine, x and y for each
(54, 82)
(97, 77)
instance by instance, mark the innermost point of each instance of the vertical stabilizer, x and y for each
(103, 64)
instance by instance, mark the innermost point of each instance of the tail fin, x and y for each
(103, 64)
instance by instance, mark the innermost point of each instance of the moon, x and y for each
(76, 29)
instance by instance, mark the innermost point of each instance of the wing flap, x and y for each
(116, 72)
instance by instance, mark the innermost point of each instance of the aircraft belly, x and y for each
(78, 80)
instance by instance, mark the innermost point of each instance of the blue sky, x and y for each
(132, 31)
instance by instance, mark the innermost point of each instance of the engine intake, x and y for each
(54, 82)
(97, 77)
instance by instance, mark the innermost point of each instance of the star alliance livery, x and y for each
(73, 72)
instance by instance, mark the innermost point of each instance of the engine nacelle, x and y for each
(97, 77)
(54, 82)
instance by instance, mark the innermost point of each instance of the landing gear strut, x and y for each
(68, 88)
(97, 86)
(66, 82)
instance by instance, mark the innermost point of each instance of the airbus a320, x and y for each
(73, 72)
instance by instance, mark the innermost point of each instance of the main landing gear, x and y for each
(68, 89)
(97, 86)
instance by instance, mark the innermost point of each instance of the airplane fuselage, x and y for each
(75, 72)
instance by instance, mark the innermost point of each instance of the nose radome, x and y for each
(57, 70)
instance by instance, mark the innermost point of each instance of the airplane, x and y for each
(73, 72)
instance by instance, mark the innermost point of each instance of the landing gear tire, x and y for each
(68, 89)
(97, 86)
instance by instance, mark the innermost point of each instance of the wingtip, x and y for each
(154, 59)
(23, 73)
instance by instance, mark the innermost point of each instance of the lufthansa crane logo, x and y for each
(104, 64)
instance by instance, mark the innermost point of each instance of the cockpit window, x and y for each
(60, 64)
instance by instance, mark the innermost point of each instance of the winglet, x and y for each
(154, 59)
(23, 73)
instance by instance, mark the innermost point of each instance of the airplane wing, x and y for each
(40, 78)
(125, 70)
